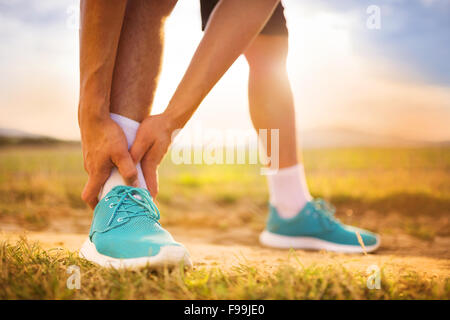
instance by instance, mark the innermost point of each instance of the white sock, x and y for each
(130, 128)
(288, 190)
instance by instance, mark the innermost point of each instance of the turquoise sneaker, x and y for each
(125, 232)
(316, 228)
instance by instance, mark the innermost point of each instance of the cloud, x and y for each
(413, 36)
(39, 63)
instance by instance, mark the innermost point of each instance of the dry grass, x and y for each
(29, 272)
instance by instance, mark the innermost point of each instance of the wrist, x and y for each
(169, 123)
(92, 113)
(90, 122)
(175, 117)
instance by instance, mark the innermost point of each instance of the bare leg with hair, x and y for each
(139, 57)
(136, 72)
(104, 143)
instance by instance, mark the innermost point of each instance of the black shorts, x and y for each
(275, 26)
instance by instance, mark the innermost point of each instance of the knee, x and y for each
(167, 6)
(160, 8)
(267, 54)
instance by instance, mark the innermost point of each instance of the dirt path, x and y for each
(227, 249)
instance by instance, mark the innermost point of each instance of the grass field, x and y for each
(218, 212)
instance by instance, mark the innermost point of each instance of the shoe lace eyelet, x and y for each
(119, 219)
(112, 205)
(106, 199)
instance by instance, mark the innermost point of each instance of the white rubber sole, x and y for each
(168, 256)
(308, 243)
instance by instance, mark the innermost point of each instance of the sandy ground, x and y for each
(229, 248)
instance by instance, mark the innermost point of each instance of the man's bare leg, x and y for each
(269, 93)
(137, 69)
(295, 221)
(272, 107)
(104, 143)
(139, 57)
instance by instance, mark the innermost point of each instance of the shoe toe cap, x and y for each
(126, 247)
(368, 238)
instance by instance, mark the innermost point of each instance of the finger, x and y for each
(92, 189)
(126, 167)
(151, 177)
(150, 164)
(139, 147)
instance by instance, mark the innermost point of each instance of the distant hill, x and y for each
(14, 133)
(325, 137)
(11, 137)
(344, 137)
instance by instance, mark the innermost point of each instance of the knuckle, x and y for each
(85, 197)
(117, 155)
(141, 146)
(99, 175)
(155, 191)
(130, 173)
(149, 164)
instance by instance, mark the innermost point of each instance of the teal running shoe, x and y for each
(126, 232)
(316, 228)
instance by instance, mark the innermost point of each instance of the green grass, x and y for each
(29, 272)
(38, 184)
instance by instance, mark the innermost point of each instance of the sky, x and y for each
(391, 80)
